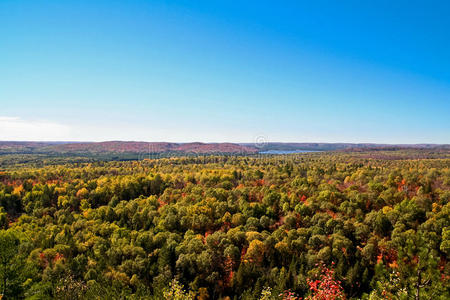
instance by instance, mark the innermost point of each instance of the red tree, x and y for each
(325, 287)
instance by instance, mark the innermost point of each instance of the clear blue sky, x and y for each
(327, 71)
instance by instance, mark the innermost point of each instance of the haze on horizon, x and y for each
(221, 71)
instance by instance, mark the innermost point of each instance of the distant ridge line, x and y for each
(198, 147)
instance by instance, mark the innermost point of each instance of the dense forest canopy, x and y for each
(319, 225)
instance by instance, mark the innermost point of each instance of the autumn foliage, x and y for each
(306, 226)
(325, 287)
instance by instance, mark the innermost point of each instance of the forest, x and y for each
(331, 225)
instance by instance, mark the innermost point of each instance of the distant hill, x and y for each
(131, 147)
(342, 146)
(7, 147)
(124, 147)
(152, 147)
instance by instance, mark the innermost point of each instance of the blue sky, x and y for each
(293, 71)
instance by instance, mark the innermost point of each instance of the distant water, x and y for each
(286, 151)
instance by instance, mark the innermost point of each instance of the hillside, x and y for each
(152, 147)
(142, 148)
(123, 147)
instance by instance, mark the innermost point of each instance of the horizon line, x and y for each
(224, 142)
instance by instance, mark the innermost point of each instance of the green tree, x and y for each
(9, 245)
